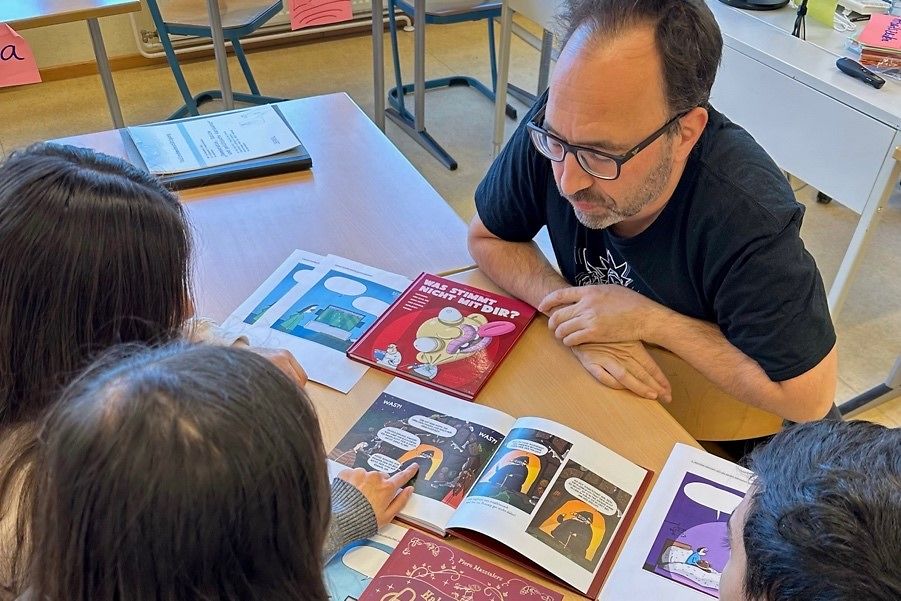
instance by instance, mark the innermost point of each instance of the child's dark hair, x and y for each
(93, 252)
(182, 472)
(824, 519)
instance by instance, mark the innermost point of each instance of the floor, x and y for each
(869, 327)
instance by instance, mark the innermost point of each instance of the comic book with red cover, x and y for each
(423, 568)
(445, 335)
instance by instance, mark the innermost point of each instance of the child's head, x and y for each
(182, 472)
(93, 252)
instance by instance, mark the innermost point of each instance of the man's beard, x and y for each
(614, 211)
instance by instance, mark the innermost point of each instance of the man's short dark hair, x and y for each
(824, 519)
(687, 34)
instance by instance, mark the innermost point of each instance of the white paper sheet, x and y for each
(318, 313)
(195, 143)
(686, 511)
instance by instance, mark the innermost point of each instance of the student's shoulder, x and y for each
(741, 186)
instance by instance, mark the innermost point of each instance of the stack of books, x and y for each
(880, 42)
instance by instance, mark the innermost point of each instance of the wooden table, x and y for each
(28, 14)
(540, 377)
(362, 200)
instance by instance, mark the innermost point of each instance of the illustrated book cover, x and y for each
(445, 335)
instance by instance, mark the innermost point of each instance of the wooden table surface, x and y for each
(540, 377)
(27, 14)
(362, 200)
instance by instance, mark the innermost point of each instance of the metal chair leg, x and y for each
(242, 60)
(492, 55)
(395, 56)
(171, 57)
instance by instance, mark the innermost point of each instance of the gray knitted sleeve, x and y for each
(352, 518)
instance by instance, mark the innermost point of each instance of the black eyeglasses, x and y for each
(600, 164)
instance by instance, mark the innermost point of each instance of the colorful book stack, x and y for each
(880, 42)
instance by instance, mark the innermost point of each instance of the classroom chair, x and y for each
(240, 18)
(706, 412)
(436, 12)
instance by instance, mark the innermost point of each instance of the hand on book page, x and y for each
(381, 490)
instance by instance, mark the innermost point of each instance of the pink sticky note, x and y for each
(308, 13)
(17, 64)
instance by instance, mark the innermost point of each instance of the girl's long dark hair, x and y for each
(180, 473)
(93, 252)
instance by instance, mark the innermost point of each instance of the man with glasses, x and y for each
(670, 225)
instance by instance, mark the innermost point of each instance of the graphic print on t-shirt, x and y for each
(607, 271)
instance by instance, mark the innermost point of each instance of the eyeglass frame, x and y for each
(618, 159)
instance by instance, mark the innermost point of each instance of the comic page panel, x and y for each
(523, 468)
(579, 515)
(691, 547)
(394, 434)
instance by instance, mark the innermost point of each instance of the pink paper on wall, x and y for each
(308, 13)
(17, 64)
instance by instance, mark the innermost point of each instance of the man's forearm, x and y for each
(520, 268)
(705, 348)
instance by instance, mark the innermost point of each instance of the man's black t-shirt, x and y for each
(726, 248)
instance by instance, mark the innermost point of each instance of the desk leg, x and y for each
(503, 76)
(106, 74)
(225, 82)
(378, 65)
(885, 184)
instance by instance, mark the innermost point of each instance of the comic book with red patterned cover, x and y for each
(423, 568)
(445, 335)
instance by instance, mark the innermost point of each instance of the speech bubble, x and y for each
(399, 438)
(346, 286)
(709, 496)
(584, 491)
(302, 274)
(370, 305)
(383, 463)
(432, 426)
(365, 560)
(529, 446)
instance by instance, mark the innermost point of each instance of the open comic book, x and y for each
(677, 549)
(529, 489)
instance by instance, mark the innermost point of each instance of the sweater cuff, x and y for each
(353, 518)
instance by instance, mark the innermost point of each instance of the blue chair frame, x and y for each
(397, 110)
(231, 34)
